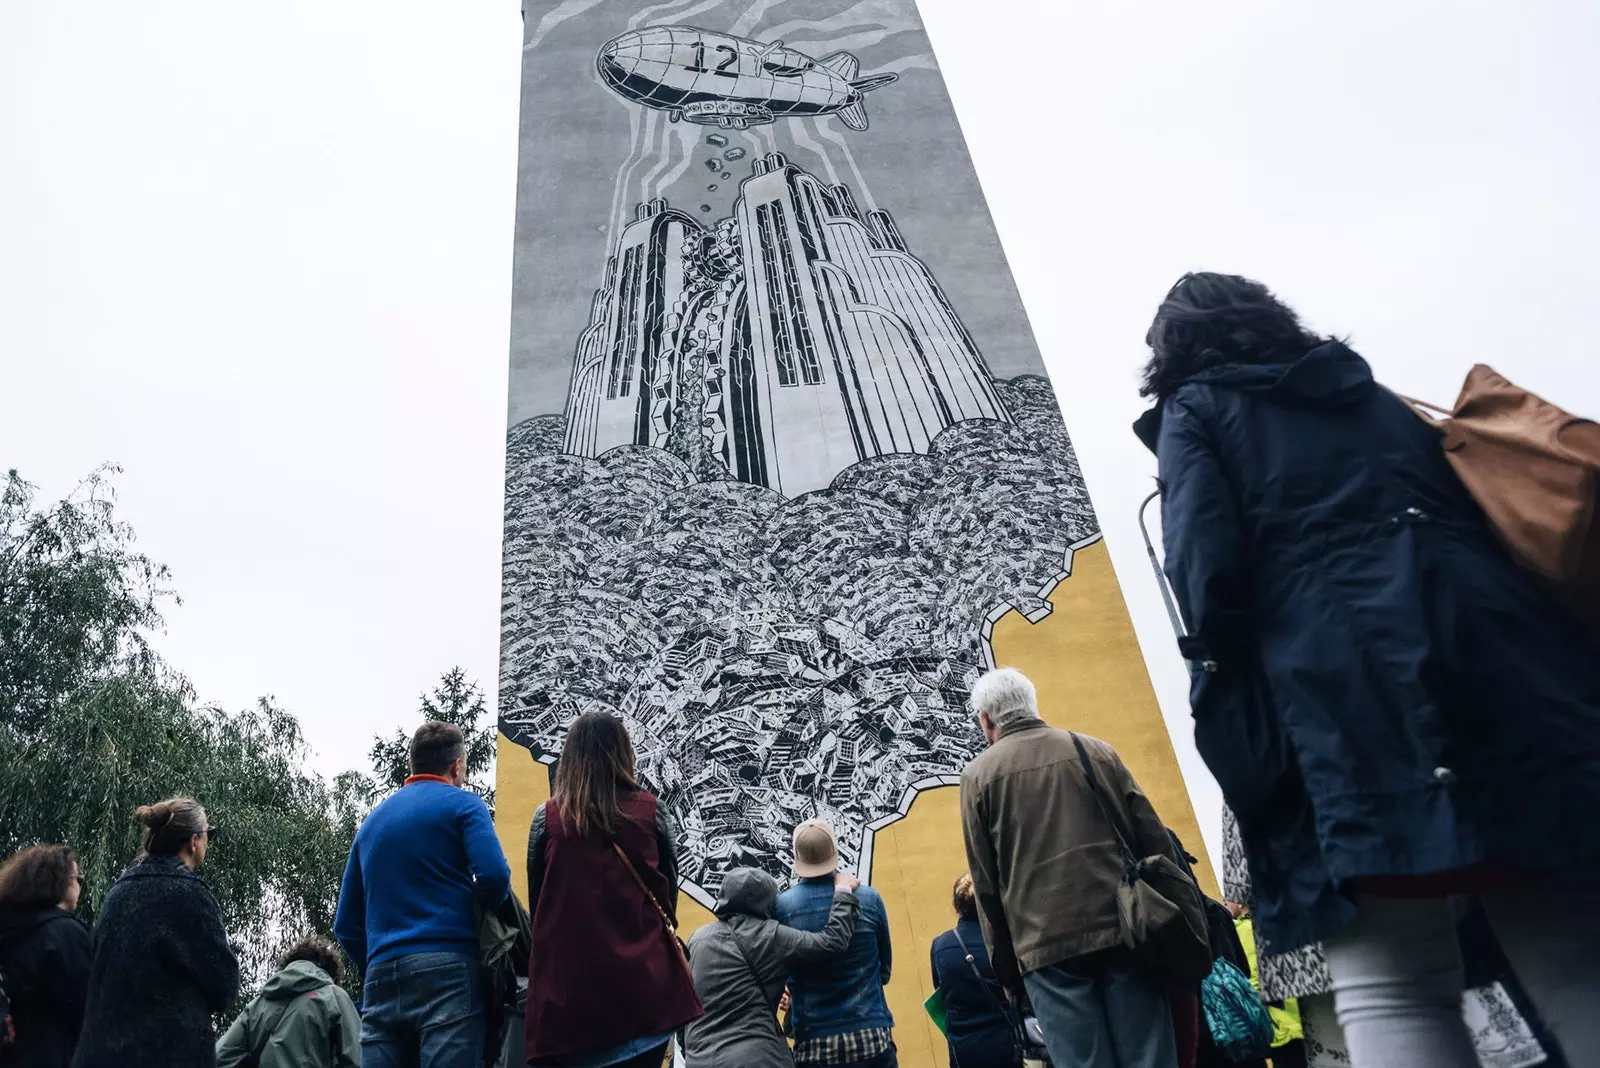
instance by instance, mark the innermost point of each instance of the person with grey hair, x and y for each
(1045, 870)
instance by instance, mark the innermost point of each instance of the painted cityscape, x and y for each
(784, 505)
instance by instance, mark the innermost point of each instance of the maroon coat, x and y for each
(602, 971)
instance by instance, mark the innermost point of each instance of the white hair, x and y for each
(1006, 695)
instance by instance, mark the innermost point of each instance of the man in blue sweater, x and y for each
(420, 861)
(841, 1018)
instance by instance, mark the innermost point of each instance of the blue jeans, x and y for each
(1102, 1014)
(424, 1010)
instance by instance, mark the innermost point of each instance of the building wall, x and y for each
(1085, 660)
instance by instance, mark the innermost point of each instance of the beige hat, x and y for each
(815, 851)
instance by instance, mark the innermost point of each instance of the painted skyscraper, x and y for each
(785, 344)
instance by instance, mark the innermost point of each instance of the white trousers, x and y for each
(1397, 983)
(1397, 975)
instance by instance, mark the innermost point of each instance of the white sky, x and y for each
(260, 256)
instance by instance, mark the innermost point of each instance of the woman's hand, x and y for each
(846, 882)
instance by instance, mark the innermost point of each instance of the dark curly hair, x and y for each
(319, 951)
(37, 877)
(1209, 320)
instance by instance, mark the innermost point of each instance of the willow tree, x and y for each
(94, 724)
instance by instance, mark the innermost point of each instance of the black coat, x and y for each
(162, 970)
(1377, 688)
(44, 954)
(978, 1029)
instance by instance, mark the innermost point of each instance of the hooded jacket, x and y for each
(301, 1019)
(1379, 691)
(740, 964)
(162, 969)
(45, 956)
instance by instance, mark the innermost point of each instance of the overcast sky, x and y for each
(260, 256)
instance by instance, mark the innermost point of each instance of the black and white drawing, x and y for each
(786, 496)
(717, 79)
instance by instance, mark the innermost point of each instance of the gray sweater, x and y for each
(740, 964)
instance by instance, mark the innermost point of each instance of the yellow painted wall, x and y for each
(1085, 660)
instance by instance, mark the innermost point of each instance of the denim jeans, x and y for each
(424, 1010)
(1102, 1014)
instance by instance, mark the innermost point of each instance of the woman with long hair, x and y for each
(1394, 710)
(162, 964)
(44, 956)
(607, 980)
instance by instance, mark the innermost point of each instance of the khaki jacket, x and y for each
(1044, 861)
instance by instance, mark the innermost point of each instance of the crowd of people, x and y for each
(1399, 718)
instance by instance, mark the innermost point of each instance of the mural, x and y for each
(782, 459)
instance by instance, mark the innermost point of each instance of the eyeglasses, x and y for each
(211, 832)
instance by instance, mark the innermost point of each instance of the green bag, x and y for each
(936, 1009)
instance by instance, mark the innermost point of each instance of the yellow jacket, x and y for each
(1285, 1021)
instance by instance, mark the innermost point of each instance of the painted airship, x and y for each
(717, 79)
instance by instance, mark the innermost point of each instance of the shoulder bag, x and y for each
(670, 928)
(1535, 471)
(1160, 909)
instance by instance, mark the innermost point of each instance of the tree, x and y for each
(94, 724)
(458, 701)
(75, 600)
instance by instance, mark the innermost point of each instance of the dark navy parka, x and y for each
(1376, 687)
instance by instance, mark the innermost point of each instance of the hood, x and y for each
(1329, 376)
(748, 892)
(16, 924)
(301, 977)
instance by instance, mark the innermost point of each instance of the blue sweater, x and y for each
(417, 863)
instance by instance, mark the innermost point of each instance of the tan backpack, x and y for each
(1535, 471)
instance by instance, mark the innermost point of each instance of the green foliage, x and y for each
(75, 599)
(456, 700)
(93, 724)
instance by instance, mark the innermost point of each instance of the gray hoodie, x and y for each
(740, 964)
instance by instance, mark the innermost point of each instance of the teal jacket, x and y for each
(313, 1024)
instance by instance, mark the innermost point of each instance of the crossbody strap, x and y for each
(1010, 1017)
(978, 975)
(738, 947)
(667, 925)
(1095, 788)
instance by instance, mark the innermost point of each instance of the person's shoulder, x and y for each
(947, 940)
(65, 927)
(867, 896)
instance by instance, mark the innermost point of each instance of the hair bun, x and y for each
(150, 815)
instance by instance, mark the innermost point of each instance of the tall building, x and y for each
(791, 341)
(623, 390)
